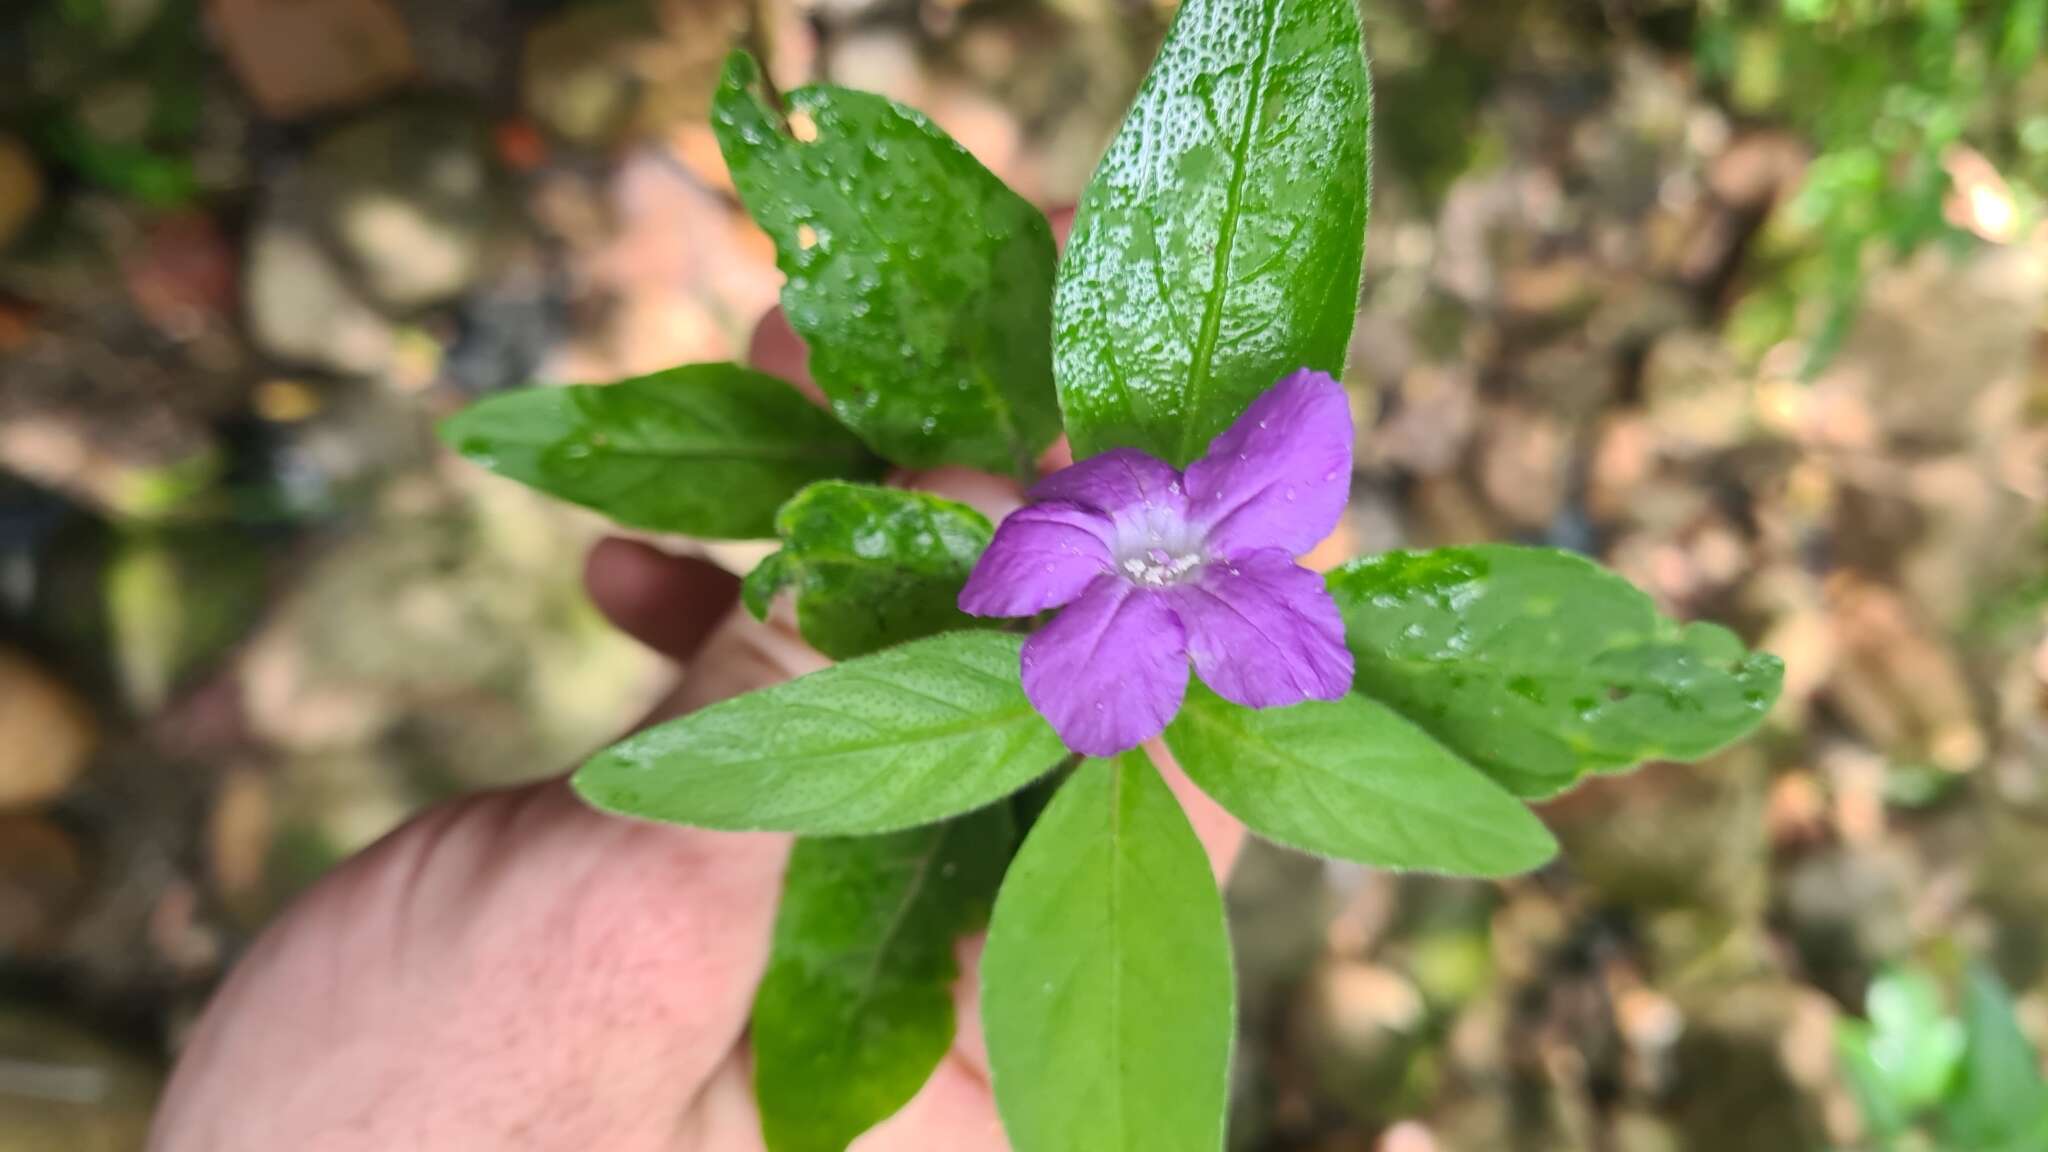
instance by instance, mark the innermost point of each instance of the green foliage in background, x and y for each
(1928, 1078)
(113, 91)
(1888, 92)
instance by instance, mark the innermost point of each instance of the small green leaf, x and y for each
(1540, 666)
(1884, 1115)
(857, 1006)
(922, 285)
(1106, 988)
(706, 450)
(904, 737)
(1354, 780)
(1915, 1045)
(1218, 246)
(2000, 1096)
(872, 566)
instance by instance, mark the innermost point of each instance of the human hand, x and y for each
(515, 971)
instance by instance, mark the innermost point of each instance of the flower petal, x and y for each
(1111, 670)
(1122, 483)
(1042, 556)
(1264, 632)
(1279, 477)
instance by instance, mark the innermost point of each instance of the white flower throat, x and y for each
(1156, 567)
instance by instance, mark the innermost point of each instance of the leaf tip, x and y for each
(740, 72)
(769, 577)
(593, 785)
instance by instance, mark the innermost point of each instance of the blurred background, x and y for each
(1749, 298)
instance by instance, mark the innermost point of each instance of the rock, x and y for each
(882, 59)
(42, 880)
(1848, 912)
(409, 196)
(1698, 397)
(505, 331)
(1623, 458)
(1896, 682)
(70, 1088)
(1966, 552)
(46, 734)
(1570, 380)
(447, 630)
(459, 45)
(1669, 836)
(1733, 1088)
(1938, 339)
(21, 188)
(1525, 459)
(841, 11)
(97, 400)
(601, 74)
(181, 276)
(302, 309)
(1361, 1037)
(298, 57)
(576, 74)
(1559, 292)
(1445, 512)
(1430, 422)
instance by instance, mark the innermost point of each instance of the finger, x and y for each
(993, 496)
(506, 970)
(743, 654)
(1062, 221)
(723, 1118)
(669, 603)
(955, 1110)
(777, 350)
(1221, 835)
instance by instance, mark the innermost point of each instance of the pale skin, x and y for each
(514, 971)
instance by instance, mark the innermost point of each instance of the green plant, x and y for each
(1924, 1078)
(952, 771)
(1889, 92)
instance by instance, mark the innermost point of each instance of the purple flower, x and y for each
(1156, 568)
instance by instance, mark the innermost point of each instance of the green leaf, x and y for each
(872, 566)
(1913, 1043)
(2000, 1095)
(1540, 666)
(1106, 988)
(707, 450)
(1884, 1116)
(1353, 780)
(922, 285)
(1218, 246)
(904, 737)
(857, 1006)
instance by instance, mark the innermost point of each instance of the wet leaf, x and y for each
(1540, 666)
(871, 566)
(1353, 780)
(1218, 246)
(857, 1006)
(904, 737)
(1106, 987)
(921, 284)
(2000, 1098)
(707, 450)
(1916, 1046)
